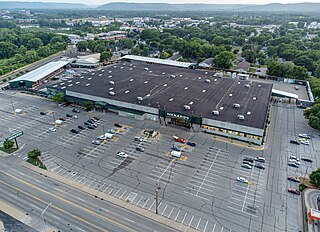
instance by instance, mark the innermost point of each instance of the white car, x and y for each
(138, 139)
(102, 137)
(111, 131)
(304, 136)
(246, 166)
(52, 129)
(122, 154)
(294, 161)
(294, 158)
(305, 142)
(243, 180)
(96, 142)
(75, 117)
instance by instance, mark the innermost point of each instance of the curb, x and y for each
(240, 144)
(111, 199)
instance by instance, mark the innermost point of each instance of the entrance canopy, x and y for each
(314, 214)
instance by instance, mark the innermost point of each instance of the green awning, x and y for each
(101, 103)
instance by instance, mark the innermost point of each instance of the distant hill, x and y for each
(294, 7)
(41, 5)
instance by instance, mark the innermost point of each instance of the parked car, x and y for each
(75, 117)
(117, 125)
(294, 158)
(111, 131)
(122, 154)
(260, 159)
(248, 159)
(62, 119)
(307, 159)
(304, 136)
(69, 115)
(246, 166)
(192, 144)
(292, 164)
(90, 121)
(94, 125)
(76, 131)
(140, 149)
(243, 180)
(294, 191)
(247, 162)
(293, 178)
(75, 110)
(260, 166)
(294, 161)
(294, 142)
(138, 139)
(91, 127)
(43, 113)
(52, 129)
(81, 127)
(96, 142)
(86, 123)
(96, 118)
(305, 142)
(178, 139)
(175, 147)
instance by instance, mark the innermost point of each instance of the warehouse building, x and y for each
(37, 76)
(173, 95)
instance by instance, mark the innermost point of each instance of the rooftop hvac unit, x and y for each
(146, 69)
(163, 73)
(241, 117)
(150, 71)
(215, 112)
(111, 82)
(180, 75)
(131, 79)
(111, 93)
(110, 71)
(111, 89)
(230, 95)
(173, 76)
(236, 105)
(186, 107)
(238, 82)
(207, 81)
(221, 108)
(140, 98)
(215, 79)
(254, 98)
(130, 69)
(259, 85)
(248, 113)
(247, 86)
(206, 73)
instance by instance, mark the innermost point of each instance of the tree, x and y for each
(34, 154)
(250, 56)
(58, 98)
(7, 50)
(99, 48)
(88, 105)
(7, 144)
(315, 177)
(317, 71)
(106, 55)
(56, 39)
(224, 59)
(127, 43)
(82, 46)
(34, 43)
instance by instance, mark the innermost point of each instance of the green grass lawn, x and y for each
(37, 162)
(9, 151)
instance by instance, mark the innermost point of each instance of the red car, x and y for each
(294, 179)
(178, 139)
(294, 191)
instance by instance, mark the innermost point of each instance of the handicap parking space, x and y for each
(203, 182)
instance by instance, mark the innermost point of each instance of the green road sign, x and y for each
(16, 135)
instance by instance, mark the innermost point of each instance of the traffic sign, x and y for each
(16, 135)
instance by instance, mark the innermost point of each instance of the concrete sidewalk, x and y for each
(111, 199)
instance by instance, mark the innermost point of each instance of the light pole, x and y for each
(42, 214)
(157, 197)
(12, 108)
(54, 119)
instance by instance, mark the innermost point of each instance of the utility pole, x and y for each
(54, 119)
(42, 214)
(157, 198)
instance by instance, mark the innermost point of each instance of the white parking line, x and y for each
(198, 224)
(197, 177)
(214, 227)
(117, 192)
(145, 203)
(151, 205)
(164, 210)
(139, 200)
(205, 227)
(170, 212)
(184, 218)
(204, 198)
(101, 186)
(122, 194)
(106, 188)
(252, 215)
(191, 220)
(177, 215)
(91, 183)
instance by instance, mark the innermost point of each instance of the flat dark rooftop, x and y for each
(188, 87)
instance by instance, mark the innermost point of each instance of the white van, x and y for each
(176, 154)
(18, 111)
(58, 122)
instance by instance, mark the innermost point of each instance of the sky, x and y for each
(101, 2)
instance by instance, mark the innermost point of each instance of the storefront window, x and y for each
(257, 137)
(248, 136)
(221, 130)
(212, 128)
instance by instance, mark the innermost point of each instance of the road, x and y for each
(71, 209)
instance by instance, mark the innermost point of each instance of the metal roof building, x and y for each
(34, 77)
(159, 61)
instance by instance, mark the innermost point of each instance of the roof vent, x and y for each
(203, 91)
(206, 73)
(186, 107)
(239, 83)
(100, 75)
(173, 76)
(131, 79)
(180, 75)
(81, 77)
(186, 88)
(247, 86)
(150, 71)
(146, 82)
(111, 93)
(236, 105)
(163, 73)
(110, 71)
(78, 82)
(254, 98)
(111, 89)
(221, 108)
(89, 78)
(241, 117)
(190, 103)
(215, 79)
(248, 113)
(230, 95)
(140, 98)
(165, 85)
(127, 91)
(146, 69)
(171, 99)
(111, 82)
(88, 84)
(109, 76)
(130, 69)
(215, 112)
(207, 81)
(259, 85)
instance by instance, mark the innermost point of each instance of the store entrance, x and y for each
(180, 122)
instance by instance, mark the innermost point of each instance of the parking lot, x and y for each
(199, 189)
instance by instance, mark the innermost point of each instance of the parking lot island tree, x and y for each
(58, 98)
(8, 144)
(34, 154)
(88, 105)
